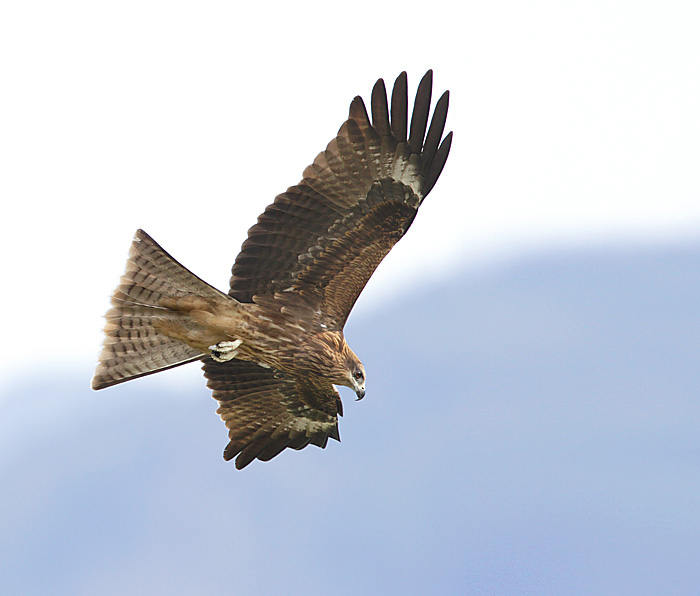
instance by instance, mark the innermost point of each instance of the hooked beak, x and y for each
(360, 393)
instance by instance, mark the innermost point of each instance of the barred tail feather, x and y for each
(133, 346)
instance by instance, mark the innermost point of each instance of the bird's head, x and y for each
(328, 354)
(352, 370)
(357, 379)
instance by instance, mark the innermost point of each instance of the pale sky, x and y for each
(576, 123)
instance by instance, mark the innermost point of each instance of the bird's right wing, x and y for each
(267, 411)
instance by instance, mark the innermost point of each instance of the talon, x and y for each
(225, 350)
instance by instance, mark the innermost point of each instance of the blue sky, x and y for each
(527, 430)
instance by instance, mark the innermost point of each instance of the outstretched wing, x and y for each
(267, 411)
(324, 237)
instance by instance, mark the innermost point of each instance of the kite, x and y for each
(273, 348)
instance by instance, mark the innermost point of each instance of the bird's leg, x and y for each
(225, 350)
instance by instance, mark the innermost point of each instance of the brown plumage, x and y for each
(273, 347)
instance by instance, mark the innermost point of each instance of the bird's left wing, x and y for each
(267, 411)
(323, 238)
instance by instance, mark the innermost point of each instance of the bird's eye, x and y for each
(358, 374)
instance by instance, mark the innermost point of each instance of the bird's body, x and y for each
(285, 333)
(273, 347)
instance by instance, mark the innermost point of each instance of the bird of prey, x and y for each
(273, 347)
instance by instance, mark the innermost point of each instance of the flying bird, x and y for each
(273, 347)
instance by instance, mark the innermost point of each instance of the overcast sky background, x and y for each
(560, 246)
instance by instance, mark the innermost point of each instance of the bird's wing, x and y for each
(325, 236)
(267, 411)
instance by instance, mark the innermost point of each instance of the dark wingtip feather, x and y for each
(242, 462)
(421, 108)
(437, 127)
(358, 111)
(274, 449)
(230, 451)
(438, 164)
(380, 109)
(252, 450)
(399, 107)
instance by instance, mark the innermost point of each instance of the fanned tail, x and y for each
(133, 345)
